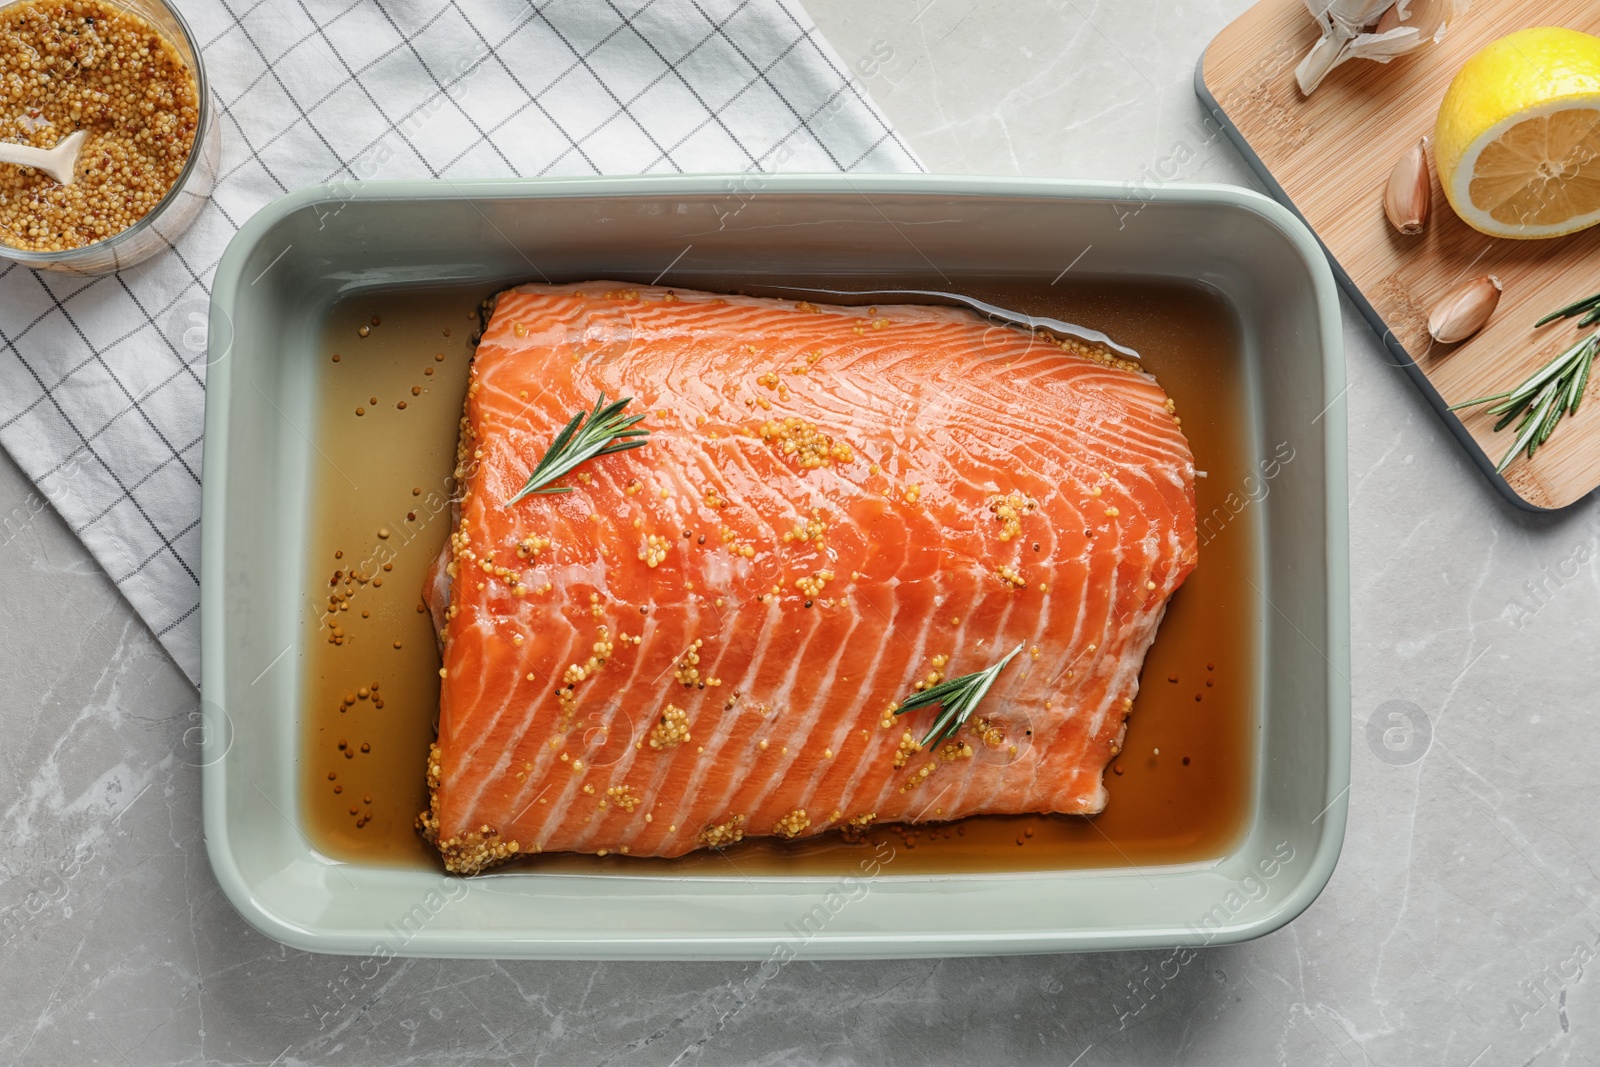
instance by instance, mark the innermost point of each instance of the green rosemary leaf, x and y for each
(1589, 304)
(1531, 387)
(1551, 393)
(956, 698)
(1553, 410)
(1525, 437)
(605, 432)
(936, 694)
(623, 446)
(1583, 378)
(1510, 416)
(1483, 400)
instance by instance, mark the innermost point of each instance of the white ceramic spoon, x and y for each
(60, 162)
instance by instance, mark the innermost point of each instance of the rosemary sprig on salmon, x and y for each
(606, 432)
(956, 699)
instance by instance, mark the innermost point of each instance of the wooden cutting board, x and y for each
(1328, 157)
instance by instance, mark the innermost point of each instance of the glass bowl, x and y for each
(182, 203)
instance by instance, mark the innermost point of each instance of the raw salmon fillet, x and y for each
(706, 639)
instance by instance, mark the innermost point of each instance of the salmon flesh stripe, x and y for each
(707, 637)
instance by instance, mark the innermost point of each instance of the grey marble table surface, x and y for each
(1457, 929)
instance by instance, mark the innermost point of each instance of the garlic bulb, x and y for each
(1377, 30)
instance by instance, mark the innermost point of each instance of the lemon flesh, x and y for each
(1517, 143)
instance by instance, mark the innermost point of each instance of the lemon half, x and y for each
(1517, 144)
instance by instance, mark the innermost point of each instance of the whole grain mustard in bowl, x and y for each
(129, 74)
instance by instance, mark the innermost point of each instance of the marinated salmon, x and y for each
(709, 636)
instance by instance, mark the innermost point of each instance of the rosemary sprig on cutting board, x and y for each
(606, 431)
(1553, 391)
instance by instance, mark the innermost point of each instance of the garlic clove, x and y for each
(1406, 197)
(1427, 17)
(1394, 18)
(1464, 310)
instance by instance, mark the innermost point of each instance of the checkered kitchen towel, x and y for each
(102, 382)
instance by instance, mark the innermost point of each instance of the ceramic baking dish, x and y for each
(294, 259)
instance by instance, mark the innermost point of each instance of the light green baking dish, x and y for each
(299, 255)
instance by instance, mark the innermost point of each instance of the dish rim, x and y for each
(230, 280)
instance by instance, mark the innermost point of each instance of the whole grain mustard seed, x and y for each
(92, 66)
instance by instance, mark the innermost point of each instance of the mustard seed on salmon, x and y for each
(835, 509)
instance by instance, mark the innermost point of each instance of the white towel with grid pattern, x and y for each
(102, 381)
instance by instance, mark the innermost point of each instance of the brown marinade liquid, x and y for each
(381, 487)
